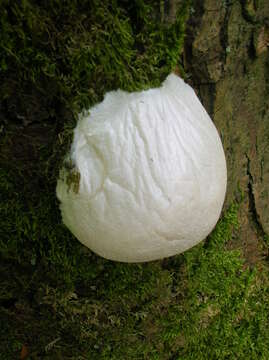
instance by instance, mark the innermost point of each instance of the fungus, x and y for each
(150, 171)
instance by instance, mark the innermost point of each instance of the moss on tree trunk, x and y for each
(58, 300)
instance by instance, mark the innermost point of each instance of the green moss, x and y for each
(203, 304)
(75, 51)
(56, 59)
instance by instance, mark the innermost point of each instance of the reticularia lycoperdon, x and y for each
(152, 174)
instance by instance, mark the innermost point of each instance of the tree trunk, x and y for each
(227, 57)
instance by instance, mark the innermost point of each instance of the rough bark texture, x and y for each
(227, 56)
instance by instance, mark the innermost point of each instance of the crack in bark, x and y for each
(252, 202)
(224, 34)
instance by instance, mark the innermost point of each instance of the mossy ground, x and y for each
(57, 299)
(204, 304)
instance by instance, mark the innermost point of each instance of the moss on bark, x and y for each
(59, 300)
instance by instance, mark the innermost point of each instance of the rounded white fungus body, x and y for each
(152, 174)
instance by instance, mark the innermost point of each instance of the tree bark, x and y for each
(227, 57)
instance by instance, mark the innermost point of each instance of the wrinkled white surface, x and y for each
(152, 174)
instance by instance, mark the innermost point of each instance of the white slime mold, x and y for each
(152, 174)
